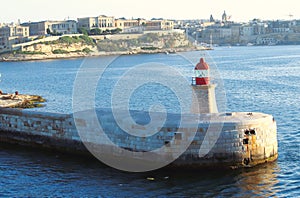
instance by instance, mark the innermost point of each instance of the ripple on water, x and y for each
(256, 79)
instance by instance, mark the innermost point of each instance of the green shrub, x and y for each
(88, 40)
(149, 48)
(71, 40)
(60, 51)
(67, 39)
(87, 50)
(30, 52)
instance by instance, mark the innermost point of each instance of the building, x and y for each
(159, 25)
(14, 30)
(12, 34)
(207, 24)
(130, 25)
(44, 27)
(224, 17)
(63, 27)
(247, 30)
(37, 28)
(225, 32)
(87, 23)
(102, 22)
(266, 41)
(260, 28)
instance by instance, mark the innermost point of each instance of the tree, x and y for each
(116, 31)
(107, 31)
(95, 31)
(48, 31)
(82, 31)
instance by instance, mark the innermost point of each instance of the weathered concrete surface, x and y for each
(245, 139)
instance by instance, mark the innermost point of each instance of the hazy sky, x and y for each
(240, 10)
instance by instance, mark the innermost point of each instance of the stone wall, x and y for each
(49, 130)
(242, 139)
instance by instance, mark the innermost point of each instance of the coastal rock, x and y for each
(20, 100)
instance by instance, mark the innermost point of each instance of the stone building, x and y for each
(130, 25)
(247, 30)
(63, 27)
(102, 22)
(224, 17)
(14, 30)
(12, 34)
(159, 25)
(43, 27)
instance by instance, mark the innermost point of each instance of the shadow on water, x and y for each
(43, 173)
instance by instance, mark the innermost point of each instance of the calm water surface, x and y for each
(264, 79)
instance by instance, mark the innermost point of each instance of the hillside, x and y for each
(83, 45)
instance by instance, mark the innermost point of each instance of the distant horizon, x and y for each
(34, 10)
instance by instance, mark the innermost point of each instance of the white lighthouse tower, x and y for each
(204, 100)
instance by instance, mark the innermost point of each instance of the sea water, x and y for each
(263, 79)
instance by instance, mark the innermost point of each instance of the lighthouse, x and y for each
(204, 100)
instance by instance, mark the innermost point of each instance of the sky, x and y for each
(239, 10)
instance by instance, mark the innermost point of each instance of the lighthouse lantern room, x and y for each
(204, 100)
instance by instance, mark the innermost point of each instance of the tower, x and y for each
(204, 100)
(224, 17)
(211, 19)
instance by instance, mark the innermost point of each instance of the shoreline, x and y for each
(10, 57)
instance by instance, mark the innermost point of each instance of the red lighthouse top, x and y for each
(202, 65)
(202, 73)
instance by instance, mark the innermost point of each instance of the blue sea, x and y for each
(249, 79)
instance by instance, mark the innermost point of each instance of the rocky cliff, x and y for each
(83, 45)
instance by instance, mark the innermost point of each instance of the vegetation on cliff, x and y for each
(97, 31)
(63, 45)
(150, 41)
(62, 51)
(84, 45)
(82, 39)
(28, 52)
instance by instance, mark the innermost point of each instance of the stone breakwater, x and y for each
(244, 139)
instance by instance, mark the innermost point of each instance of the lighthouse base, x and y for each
(204, 100)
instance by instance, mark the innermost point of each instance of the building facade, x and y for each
(63, 27)
(159, 25)
(247, 30)
(12, 34)
(14, 30)
(102, 22)
(44, 27)
(130, 25)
